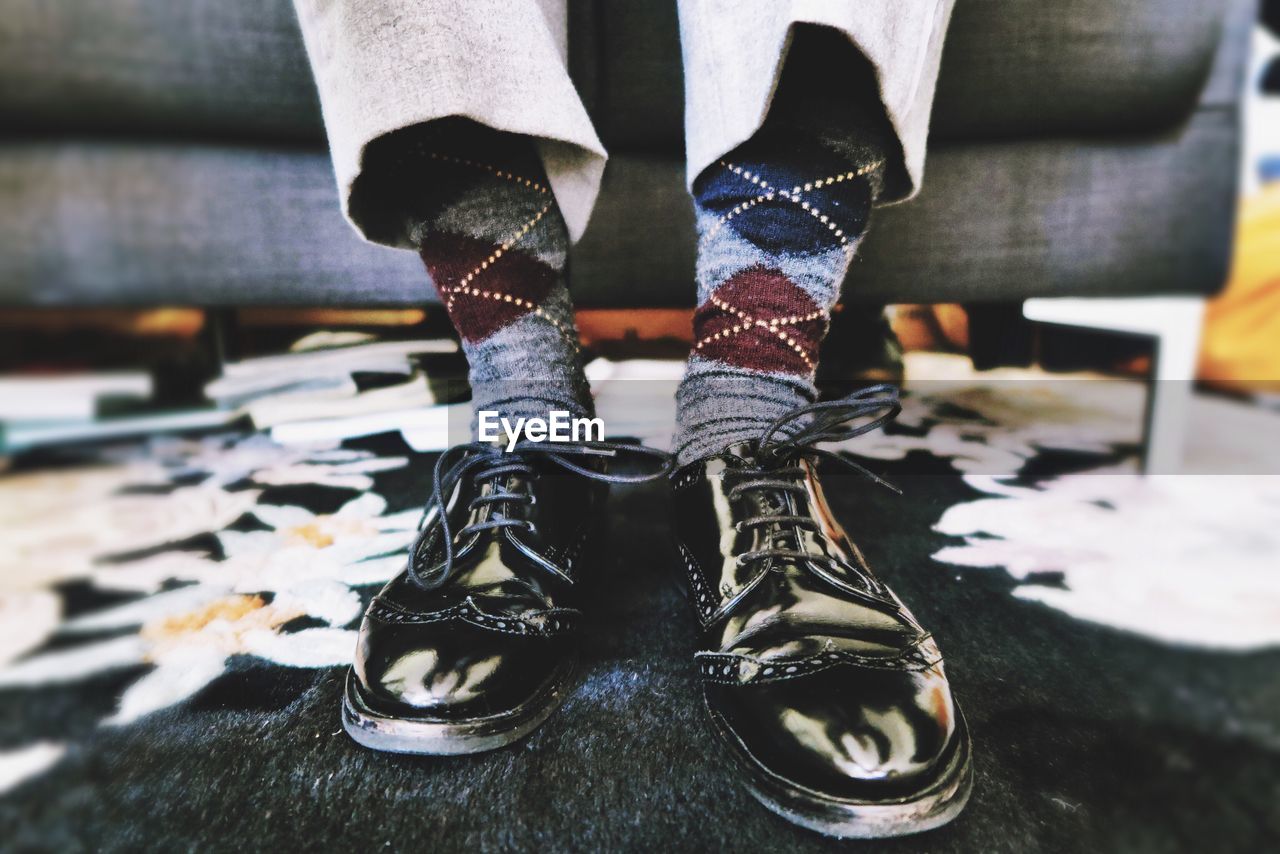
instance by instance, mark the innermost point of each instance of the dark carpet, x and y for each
(1086, 738)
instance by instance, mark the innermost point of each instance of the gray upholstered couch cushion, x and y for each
(123, 223)
(144, 67)
(248, 220)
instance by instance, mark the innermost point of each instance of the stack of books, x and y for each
(328, 386)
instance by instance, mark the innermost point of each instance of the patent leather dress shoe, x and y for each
(831, 698)
(474, 644)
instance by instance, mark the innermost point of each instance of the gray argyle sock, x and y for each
(494, 243)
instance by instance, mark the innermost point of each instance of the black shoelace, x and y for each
(490, 464)
(794, 437)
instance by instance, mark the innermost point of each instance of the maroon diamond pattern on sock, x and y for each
(497, 294)
(761, 320)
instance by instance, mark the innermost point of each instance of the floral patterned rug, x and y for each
(176, 614)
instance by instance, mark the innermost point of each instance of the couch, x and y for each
(171, 152)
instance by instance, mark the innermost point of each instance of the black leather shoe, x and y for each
(473, 645)
(830, 696)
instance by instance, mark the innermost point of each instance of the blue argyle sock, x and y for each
(777, 231)
(779, 220)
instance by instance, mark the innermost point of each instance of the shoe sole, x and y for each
(423, 736)
(928, 809)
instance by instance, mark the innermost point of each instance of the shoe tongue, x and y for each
(771, 501)
(510, 484)
(742, 451)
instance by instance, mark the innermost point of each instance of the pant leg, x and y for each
(734, 51)
(384, 65)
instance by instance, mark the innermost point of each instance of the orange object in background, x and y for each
(1241, 346)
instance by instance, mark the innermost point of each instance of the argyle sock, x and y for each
(494, 243)
(779, 220)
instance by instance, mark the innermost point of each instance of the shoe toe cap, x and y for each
(450, 671)
(847, 732)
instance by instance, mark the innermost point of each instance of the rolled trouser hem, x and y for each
(387, 65)
(734, 53)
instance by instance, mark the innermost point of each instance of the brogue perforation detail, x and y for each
(551, 621)
(706, 600)
(728, 668)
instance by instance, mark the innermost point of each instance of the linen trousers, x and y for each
(385, 65)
